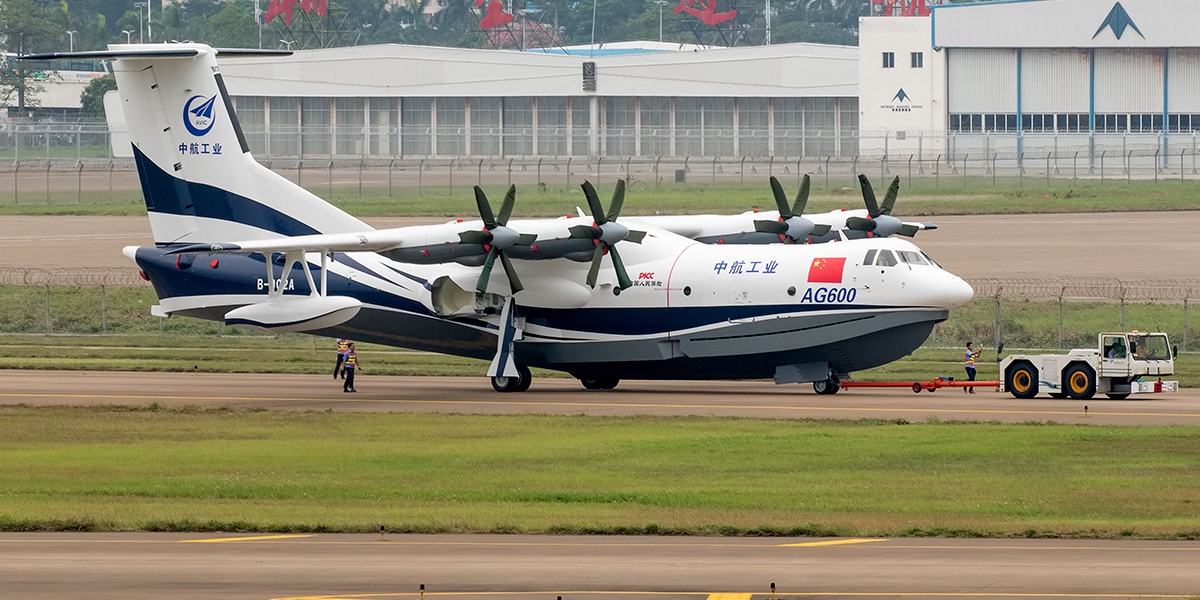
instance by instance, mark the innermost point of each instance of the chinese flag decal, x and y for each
(826, 270)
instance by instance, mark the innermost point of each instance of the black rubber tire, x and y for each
(505, 385)
(1117, 396)
(600, 383)
(1021, 380)
(916, 387)
(526, 378)
(828, 387)
(1058, 395)
(1079, 382)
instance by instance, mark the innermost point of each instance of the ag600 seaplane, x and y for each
(235, 242)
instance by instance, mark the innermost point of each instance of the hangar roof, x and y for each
(398, 70)
(1067, 24)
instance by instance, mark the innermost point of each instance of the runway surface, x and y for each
(972, 247)
(567, 397)
(136, 566)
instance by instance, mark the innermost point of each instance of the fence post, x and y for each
(331, 181)
(1102, 154)
(1061, 292)
(479, 174)
(1156, 166)
(657, 175)
(910, 181)
(965, 155)
(421, 178)
(1074, 168)
(48, 165)
(1047, 170)
(1185, 320)
(569, 159)
(17, 177)
(103, 310)
(299, 171)
(742, 173)
(539, 173)
(999, 289)
(360, 170)
(510, 161)
(827, 159)
(937, 173)
(1129, 168)
(451, 170)
(599, 161)
(391, 166)
(49, 329)
(714, 171)
(111, 165)
(79, 182)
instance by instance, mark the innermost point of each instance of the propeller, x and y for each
(791, 226)
(605, 232)
(496, 237)
(880, 221)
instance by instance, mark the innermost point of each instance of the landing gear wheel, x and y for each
(1080, 382)
(526, 378)
(519, 383)
(600, 383)
(1021, 379)
(828, 386)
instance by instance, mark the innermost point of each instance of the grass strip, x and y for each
(89, 468)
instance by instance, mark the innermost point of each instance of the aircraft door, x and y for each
(868, 277)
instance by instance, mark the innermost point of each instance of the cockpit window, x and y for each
(930, 259)
(1149, 347)
(886, 259)
(912, 258)
(870, 259)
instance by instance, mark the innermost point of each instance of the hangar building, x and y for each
(1081, 75)
(629, 100)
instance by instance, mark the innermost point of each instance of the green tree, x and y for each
(233, 27)
(26, 26)
(92, 97)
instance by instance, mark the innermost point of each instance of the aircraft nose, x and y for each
(958, 292)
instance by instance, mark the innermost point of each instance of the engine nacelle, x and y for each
(289, 314)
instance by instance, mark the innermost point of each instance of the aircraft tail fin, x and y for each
(199, 181)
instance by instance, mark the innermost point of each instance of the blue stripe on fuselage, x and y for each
(165, 193)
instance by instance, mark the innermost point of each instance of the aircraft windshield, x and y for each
(912, 258)
(1149, 347)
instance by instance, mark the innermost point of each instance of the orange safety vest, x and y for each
(351, 359)
(342, 346)
(970, 359)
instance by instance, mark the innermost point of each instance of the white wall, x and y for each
(880, 111)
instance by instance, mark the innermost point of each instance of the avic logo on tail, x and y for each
(198, 114)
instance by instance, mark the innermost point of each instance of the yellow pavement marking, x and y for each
(729, 596)
(576, 405)
(832, 543)
(744, 595)
(253, 538)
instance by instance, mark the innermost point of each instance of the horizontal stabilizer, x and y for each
(366, 241)
(150, 51)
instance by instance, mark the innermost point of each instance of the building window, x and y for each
(889, 60)
(918, 60)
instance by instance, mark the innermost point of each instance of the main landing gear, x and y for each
(599, 383)
(828, 386)
(519, 383)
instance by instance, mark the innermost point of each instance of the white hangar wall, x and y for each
(396, 100)
(1068, 74)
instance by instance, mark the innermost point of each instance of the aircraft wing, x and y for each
(366, 241)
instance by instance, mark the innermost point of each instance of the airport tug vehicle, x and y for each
(1114, 368)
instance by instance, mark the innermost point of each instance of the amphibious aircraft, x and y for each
(235, 242)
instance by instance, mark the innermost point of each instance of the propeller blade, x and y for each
(802, 196)
(594, 271)
(868, 196)
(780, 198)
(514, 282)
(819, 230)
(506, 207)
(486, 272)
(776, 227)
(622, 277)
(584, 232)
(485, 209)
(909, 230)
(526, 239)
(593, 202)
(618, 200)
(889, 199)
(474, 237)
(635, 236)
(860, 224)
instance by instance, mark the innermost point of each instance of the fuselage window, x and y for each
(870, 259)
(886, 259)
(912, 258)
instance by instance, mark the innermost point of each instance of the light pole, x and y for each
(127, 33)
(767, 14)
(71, 34)
(660, 4)
(141, 21)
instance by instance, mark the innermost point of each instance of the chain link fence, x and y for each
(1065, 312)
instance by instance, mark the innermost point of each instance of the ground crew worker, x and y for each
(969, 362)
(342, 345)
(349, 367)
